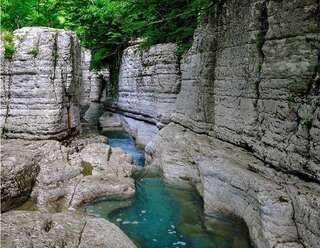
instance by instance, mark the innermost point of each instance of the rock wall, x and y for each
(246, 128)
(148, 82)
(86, 78)
(40, 85)
(94, 84)
(255, 82)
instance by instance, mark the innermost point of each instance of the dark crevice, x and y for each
(55, 63)
(81, 233)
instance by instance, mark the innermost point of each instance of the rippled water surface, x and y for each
(161, 216)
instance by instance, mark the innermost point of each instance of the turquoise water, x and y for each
(161, 216)
(125, 141)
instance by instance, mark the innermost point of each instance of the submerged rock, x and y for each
(40, 85)
(37, 230)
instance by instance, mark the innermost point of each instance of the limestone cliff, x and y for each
(148, 82)
(246, 127)
(40, 85)
(252, 79)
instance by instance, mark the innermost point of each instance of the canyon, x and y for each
(237, 117)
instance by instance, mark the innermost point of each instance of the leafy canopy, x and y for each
(107, 26)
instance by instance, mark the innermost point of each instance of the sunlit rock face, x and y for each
(251, 79)
(40, 85)
(149, 81)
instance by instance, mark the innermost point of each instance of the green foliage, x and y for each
(9, 48)
(87, 169)
(107, 26)
(34, 51)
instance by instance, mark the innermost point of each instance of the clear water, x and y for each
(161, 216)
(126, 142)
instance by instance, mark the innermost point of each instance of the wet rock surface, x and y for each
(35, 229)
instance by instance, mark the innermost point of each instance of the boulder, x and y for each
(35, 229)
(19, 170)
(40, 85)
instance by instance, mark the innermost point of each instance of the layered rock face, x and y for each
(40, 85)
(246, 130)
(94, 84)
(255, 82)
(86, 78)
(148, 82)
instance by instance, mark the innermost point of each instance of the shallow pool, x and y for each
(161, 216)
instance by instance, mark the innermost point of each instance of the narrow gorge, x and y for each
(218, 146)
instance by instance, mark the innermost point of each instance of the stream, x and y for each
(161, 216)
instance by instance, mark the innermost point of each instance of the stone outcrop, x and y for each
(40, 85)
(35, 229)
(148, 82)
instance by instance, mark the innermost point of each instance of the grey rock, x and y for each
(110, 121)
(35, 229)
(254, 82)
(142, 131)
(85, 86)
(149, 81)
(40, 85)
(19, 170)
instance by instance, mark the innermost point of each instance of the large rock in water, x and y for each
(37, 230)
(148, 82)
(40, 85)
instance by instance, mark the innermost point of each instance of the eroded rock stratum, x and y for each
(246, 127)
(40, 85)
